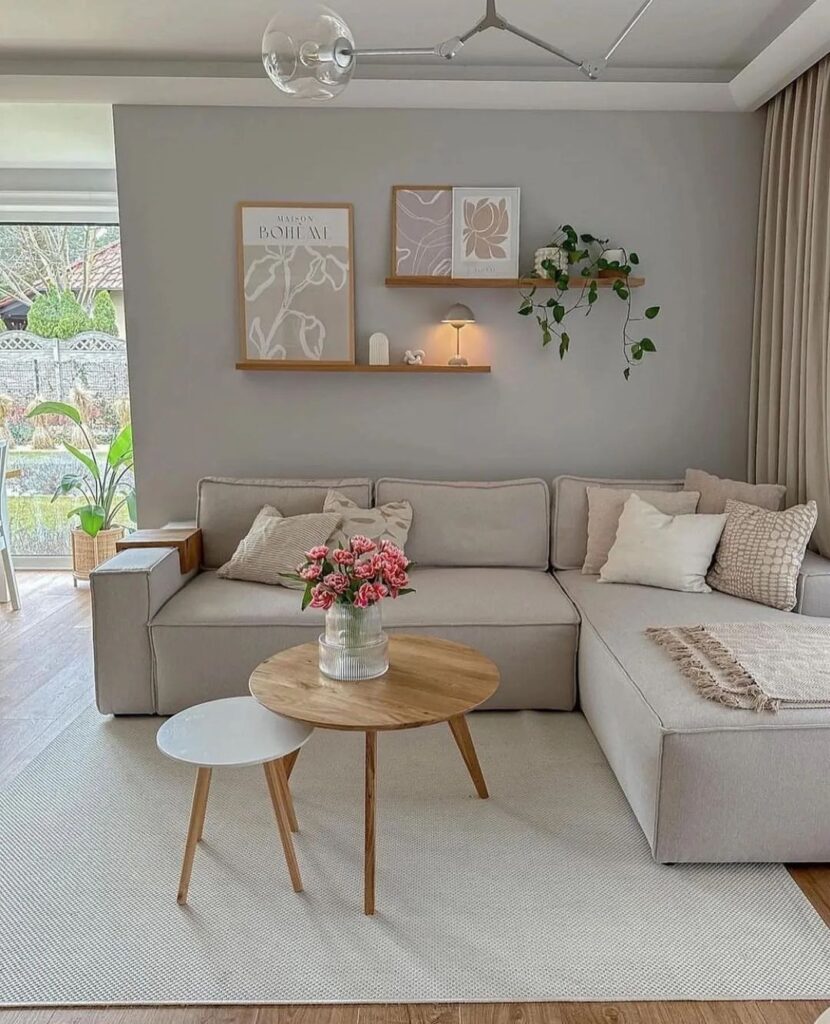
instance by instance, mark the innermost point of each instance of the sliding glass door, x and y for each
(62, 339)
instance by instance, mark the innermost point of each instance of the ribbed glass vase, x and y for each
(354, 645)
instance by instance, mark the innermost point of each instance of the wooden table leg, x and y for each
(461, 732)
(285, 792)
(207, 792)
(289, 761)
(194, 830)
(283, 825)
(369, 841)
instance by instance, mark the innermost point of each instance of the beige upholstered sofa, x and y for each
(498, 567)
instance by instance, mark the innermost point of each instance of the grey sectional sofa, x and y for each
(498, 567)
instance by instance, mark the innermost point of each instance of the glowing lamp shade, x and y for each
(308, 51)
(459, 316)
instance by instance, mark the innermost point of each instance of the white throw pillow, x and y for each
(605, 505)
(658, 550)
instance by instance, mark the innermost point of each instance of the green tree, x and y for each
(57, 315)
(103, 314)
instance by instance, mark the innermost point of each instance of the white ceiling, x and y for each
(682, 55)
(673, 33)
(51, 135)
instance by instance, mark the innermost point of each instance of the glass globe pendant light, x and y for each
(308, 51)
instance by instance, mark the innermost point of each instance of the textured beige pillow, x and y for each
(605, 505)
(386, 522)
(657, 550)
(761, 552)
(715, 491)
(275, 546)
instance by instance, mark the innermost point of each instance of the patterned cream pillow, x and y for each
(386, 522)
(274, 547)
(760, 553)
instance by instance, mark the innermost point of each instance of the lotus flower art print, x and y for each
(485, 232)
(486, 224)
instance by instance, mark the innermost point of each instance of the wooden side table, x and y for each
(234, 732)
(187, 541)
(429, 681)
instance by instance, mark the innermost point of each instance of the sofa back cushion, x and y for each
(499, 523)
(569, 529)
(226, 508)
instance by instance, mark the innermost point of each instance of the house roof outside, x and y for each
(105, 275)
(106, 269)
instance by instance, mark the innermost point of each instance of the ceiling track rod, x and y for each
(450, 48)
(641, 10)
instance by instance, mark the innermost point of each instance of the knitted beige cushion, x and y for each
(760, 553)
(605, 505)
(716, 490)
(386, 522)
(275, 546)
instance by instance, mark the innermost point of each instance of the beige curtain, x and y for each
(790, 399)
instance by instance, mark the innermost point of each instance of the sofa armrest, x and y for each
(127, 591)
(813, 590)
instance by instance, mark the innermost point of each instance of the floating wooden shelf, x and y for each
(502, 282)
(360, 368)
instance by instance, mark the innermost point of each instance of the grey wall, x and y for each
(681, 189)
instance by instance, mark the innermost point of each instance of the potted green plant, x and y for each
(103, 486)
(589, 259)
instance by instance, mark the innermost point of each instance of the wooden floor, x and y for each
(46, 682)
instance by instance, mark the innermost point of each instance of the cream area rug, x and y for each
(547, 891)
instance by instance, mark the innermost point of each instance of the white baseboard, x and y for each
(24, 562)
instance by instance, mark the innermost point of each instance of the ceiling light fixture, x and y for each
(309, 52)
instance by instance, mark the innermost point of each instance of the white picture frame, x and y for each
(485, 232)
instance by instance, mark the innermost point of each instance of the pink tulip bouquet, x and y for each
(360, 575)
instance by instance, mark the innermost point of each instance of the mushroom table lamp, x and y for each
(459, 316)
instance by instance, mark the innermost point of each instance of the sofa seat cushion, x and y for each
(443, 597)
(621, 612)
(211, 635)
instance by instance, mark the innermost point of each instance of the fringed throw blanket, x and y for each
(762, 666)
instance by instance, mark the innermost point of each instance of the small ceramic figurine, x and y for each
(414, 358)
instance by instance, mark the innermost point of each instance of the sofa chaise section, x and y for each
(708, 783)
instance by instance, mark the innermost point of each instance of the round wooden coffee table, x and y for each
(429, 681)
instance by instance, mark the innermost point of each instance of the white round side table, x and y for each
(235, 732)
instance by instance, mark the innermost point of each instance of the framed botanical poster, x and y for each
(421, 230)
(485, 232)
(296, 284)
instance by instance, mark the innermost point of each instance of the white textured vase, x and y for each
(557, 255)
(354, 645)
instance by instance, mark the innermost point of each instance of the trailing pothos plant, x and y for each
(103, 486)
(586, 258)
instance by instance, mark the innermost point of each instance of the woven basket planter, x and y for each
(89, 552)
